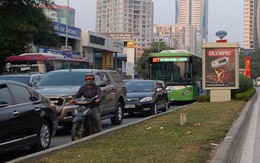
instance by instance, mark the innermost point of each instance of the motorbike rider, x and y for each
(91, 90)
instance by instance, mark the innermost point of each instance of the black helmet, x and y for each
(90, 76)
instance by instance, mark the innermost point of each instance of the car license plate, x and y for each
(130, 106)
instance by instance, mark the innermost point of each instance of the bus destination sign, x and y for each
(173, 59)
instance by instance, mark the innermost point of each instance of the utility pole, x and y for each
(67, 26)
(158, 46)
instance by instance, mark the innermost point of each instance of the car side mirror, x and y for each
(159, 89)
(101, 83)
(3, 103)
(31, 84)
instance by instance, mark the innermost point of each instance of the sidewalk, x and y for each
(251, 147)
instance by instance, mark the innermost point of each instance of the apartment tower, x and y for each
(133, 17)
(251, 24)
(175, 36)
(193, 12)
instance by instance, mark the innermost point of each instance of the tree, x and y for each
(21, 23)
(142, 62)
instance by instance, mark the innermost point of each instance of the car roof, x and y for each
(159, 80)
(81, 70)
(20, 75)
(141, 81)
(12, 82)
(131, 79)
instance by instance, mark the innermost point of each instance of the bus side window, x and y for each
(50, 65)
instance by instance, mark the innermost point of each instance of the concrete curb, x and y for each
(51, 151)
(229, 150)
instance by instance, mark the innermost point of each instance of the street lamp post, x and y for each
(67, 26)
(158, 46)
(159, 41)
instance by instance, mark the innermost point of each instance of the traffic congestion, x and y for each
(56, 122)
(75, 71)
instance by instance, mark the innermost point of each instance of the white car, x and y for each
(257, 83)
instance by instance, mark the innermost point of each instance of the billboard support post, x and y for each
(220, 70)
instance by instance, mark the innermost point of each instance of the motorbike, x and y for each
(82, 123)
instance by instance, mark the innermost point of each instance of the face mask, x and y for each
(89, 82)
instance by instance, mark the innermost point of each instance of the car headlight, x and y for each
(68, 100)
(146, 99)
(75, 112)
(186, 91)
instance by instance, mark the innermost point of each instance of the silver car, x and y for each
(28, 79)
(59, 85)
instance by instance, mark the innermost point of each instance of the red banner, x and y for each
(248, 66)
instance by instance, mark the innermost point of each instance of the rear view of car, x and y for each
(26, 118)
(257, 81)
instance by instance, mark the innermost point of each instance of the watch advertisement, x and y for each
(220, 68)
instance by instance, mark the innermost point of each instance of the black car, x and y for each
(26, 118)
(145, 96)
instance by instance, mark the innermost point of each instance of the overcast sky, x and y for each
(223, 15)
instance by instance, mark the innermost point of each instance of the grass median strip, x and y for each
(160, 139)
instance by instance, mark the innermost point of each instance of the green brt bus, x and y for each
(180, 70)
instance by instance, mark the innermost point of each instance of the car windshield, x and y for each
(63, 78)
(140, 87)
(22, 79)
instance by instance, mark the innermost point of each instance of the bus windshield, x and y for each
(173, 73)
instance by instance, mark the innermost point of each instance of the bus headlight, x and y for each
(146, 99)
(186, 91)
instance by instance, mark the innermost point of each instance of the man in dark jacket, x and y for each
(91, 90)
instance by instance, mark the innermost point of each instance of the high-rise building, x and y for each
(134, 17)
(193, 12)
(59, 14)
(251, 24)
(175, 36)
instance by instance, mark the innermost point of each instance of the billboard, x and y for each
(73, 32)
(120, 36)
(220, 67)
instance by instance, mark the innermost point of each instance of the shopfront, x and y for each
(73, 45)
(99, 49)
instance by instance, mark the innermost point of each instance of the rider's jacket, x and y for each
(89, 91)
